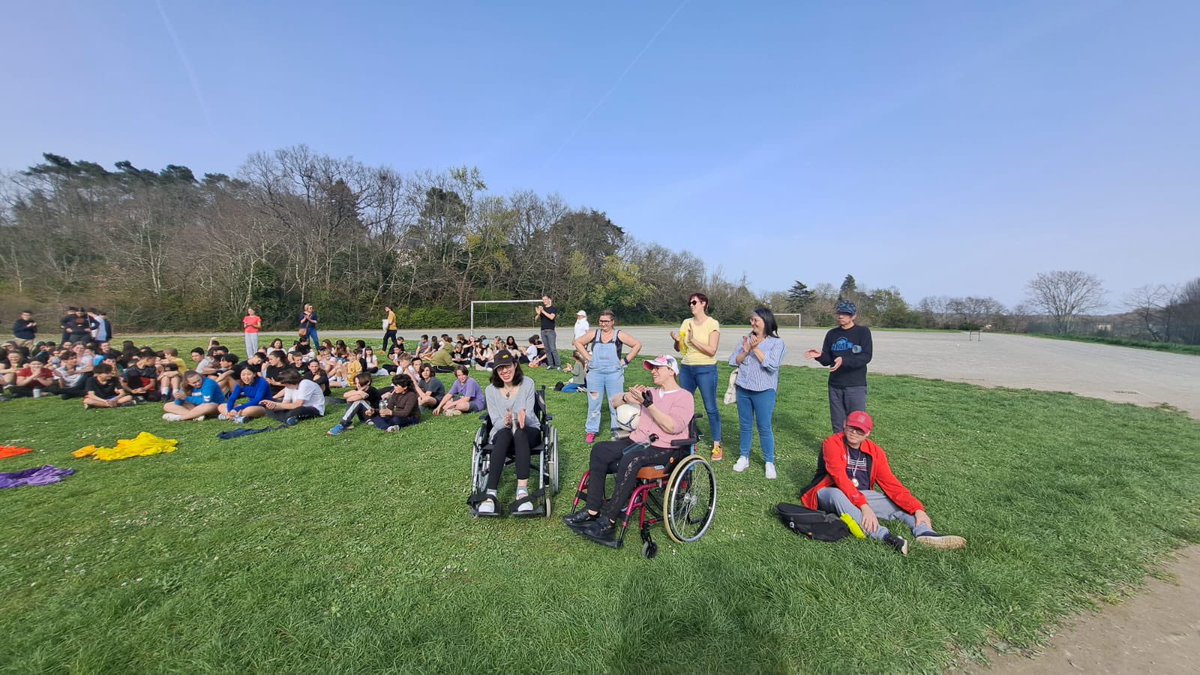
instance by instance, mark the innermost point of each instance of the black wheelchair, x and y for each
(543, 463)
(682, 495)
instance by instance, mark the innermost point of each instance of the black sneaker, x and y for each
(602, 531)
(579, 520)
(898, 543)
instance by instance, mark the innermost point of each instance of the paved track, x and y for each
(1121, 374)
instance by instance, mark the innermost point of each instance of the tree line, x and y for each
(167, 250)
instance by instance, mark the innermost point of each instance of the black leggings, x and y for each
(610, 457)
(518, 445)
(302, 413)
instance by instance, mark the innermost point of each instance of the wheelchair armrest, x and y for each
(684, 442)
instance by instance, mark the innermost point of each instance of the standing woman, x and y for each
(697, 341)
(389, 329)
(757, 360)
(251, 325)
(600, 351)
(515, 429)
(308, 325)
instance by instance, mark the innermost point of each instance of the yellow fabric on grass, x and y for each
(143, 446)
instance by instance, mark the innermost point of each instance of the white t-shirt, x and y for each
(308, 392)
(581, 328)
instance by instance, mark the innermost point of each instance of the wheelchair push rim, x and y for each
(690, 500)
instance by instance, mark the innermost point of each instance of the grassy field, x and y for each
(291, 551)
(1172, 347)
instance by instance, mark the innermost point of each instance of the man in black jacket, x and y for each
(25, 328)
(846, 351)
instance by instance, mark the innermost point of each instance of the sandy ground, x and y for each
(1155, 631)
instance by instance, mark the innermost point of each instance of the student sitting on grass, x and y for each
(170, 378)
(226, 373)
(317, 374)
(14, 361)
(465, 395)
(139, 378)
(443, 359)
(35, 380)
(399, 408)
(275, 367)
(849, 467)
(363, 401)
(535, 355)
(252, 387)
(197, 400)
(102, 390)
(302, 400)
(430, 390)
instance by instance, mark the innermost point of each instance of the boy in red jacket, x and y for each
(849, 468)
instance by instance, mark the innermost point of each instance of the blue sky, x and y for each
(945, 148)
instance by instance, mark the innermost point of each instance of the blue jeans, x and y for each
(601, 387)
(704, 377)
(756, 407)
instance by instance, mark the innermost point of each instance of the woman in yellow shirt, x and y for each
(697, 341)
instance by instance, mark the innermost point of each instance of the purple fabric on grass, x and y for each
(45, 475)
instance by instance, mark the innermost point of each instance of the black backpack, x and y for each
(816, 525)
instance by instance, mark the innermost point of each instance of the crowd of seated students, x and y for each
(290, 384)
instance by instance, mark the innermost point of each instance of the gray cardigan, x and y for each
(497, 405)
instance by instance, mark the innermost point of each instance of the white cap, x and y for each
(581, 313)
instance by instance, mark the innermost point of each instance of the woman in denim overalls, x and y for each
(605, 369)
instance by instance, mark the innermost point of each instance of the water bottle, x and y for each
(37, 393)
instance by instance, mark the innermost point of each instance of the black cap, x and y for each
(503, 358)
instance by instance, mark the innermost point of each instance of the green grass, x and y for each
(1172, 347)
(291, 551)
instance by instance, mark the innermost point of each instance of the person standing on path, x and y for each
(757, 360)
(697, 341)
(389, 329)
(548, 313)
(251, 325)
(846, 352)
(308, 325)
(600, 351)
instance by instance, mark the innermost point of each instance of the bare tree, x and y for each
(1064, 295)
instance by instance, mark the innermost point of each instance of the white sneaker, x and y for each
(770, 471)
(525, 507)
(224, 417)
(171, 417)
(742, 464)
(199, 419)
(487, 506)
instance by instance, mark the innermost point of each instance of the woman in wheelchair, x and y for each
(515, 429)
(666, 411)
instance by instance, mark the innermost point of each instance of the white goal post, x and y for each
(497, 302)
(799, 321)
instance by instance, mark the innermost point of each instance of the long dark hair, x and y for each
(770, 327)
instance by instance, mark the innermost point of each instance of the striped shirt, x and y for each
(755, 375)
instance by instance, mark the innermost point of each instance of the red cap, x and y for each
(860, 420)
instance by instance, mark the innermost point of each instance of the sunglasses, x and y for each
(693, 302)
(856, 431)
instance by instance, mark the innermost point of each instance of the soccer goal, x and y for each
(778, 316)
(502, 313)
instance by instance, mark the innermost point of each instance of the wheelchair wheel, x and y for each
(478, 470)
(690, 501)
(552, 449)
